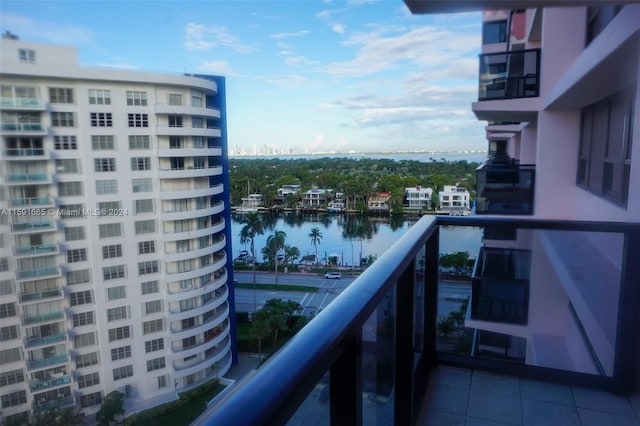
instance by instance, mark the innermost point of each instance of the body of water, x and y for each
(425, 157)
(381, 234)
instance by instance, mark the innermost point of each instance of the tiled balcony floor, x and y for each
(461, 397)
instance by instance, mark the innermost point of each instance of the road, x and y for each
(450, 294)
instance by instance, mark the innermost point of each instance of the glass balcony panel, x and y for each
(505, 189)
(378, 363)
(509, 75)
(50, 383)
(41, 363)
(418, 305)
(44, 317)
(314, 410)
(38, 341)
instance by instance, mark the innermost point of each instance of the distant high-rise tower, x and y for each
(114, 233)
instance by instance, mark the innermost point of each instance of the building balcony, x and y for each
(24, 104)
(209, 112)
(183, 333)
(34, 319)
(370, 356)
(509, 86)
(26, 154)
(204, 361)
(180, 193)
(48, 362)
(186, 172)
(52, 382)
(23, 129)
(53, 293)
(43, 224)
(32, 202)
(31, 342)
(188, 131)
(49, 272)
(25, 251)
(205, 151)
(194, 213)
(56, 403)
(22, 178)
(505, 188)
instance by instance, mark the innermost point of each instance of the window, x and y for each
(91, 399)
(69, 189)
(148, 267)
(113, 272)
(145, 226)
(138, 120)
(109, 206)
(109, 186)
(494, 32)
(76, 255)
(183, 246)
(196, 100)
(175, 99)
(80, 298)
(152, 326)
(110, 230)
(121, 353)
(119, 333)
(114, 293)
(604, 156)
(13, 399)
(149, 287)
(88, 380)
(99, 97)
(175, 142)
(122, 372)
(4, 264)
(140, 163)
(162, 382)
(101, 119)
(104, 164)
(86, 360)
(175, 121)
(153, 306)
(11, 377)
(119, 313)
(143, 206)
(111, 251)
(136, 98)
(78, 277)
(141, 185)
(6, 287)
(153, 345)
(146, 247)
(65, 142)
(67, 165)
(71, 210)
(60, 95)
(139, 142)
(27, 56)
(103, 142)
(84, 318)
(84, 340)
(7, 310)
(155, 364)
(10, 355)
(62, 119)
(197, 122)
(8, 333)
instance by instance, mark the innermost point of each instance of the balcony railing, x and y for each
(56, 403)
(40, 249)
(52, 382)
(509, 75)
(24, 152)
(38, 273)
(47, 362)
(34, 319)
(28, 177)
(367, 357)
(40, 295)
(39, 341)
(505, 189)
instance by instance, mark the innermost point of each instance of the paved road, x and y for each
(450, 293)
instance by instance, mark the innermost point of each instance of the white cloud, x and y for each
(216, 67)
(49, 32)
(339, 28)
(290, 81)
(201, 37)
(287, 35)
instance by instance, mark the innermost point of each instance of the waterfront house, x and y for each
(454, 200)
(379, 203)
(417, 198)
(316, 198)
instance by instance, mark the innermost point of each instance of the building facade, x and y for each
(115, 255)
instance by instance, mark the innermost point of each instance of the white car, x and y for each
(333, 275)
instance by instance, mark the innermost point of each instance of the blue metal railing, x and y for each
(388, 316)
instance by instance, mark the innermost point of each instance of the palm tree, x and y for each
(316, 237)
(291, 253)
(253, 227)
(276, 242)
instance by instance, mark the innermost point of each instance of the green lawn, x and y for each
(281, 287)
(189, 412)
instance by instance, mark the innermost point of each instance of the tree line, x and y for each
(358, 179)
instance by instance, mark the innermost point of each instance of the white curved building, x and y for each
(115, 233)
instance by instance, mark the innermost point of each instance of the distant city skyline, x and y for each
(302, 77)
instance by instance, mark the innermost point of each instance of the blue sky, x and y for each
(312, 76)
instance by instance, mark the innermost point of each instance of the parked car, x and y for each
(333, 275)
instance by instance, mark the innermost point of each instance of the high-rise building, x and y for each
(115, 234)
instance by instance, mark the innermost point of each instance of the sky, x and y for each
(302, 76)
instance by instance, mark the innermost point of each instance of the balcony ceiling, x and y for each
(452, 6)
